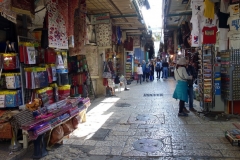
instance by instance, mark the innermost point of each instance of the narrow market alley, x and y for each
(136, 125)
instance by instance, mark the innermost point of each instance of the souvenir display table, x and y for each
(34, 124)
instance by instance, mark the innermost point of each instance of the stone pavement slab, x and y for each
(142, 124)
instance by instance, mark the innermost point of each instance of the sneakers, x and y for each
(183, 114)
(185, 110)
(193, 110)
(126, 89)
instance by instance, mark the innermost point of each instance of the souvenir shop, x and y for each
(44, 78)
(210, 38)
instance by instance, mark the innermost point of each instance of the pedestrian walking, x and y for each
(140, 73)
(158, 68)
(165, 66)
(147, 70)
(151, 71)
(144, 70)
(181, 90)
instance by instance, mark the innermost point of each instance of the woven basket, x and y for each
(6, 131)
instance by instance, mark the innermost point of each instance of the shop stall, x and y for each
(45, 83)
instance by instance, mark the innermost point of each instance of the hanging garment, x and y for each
(80, 29)
(104, 35)
(209, 9)
(6, 12)
(57, 23)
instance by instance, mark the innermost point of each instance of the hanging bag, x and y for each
(106, 71)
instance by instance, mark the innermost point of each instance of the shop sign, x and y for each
(217, 82)
(100, 18)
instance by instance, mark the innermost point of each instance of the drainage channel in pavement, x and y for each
(153, 95)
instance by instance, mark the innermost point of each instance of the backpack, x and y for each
(158, 67)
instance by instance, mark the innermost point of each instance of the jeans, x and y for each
(147, 76)
(144, 76)
(158, 74)
(181, 106)
(165, 72)
(139, 78)
(190, 94)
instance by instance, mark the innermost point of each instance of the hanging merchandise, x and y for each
(224, 6)
(13, 80)
(136, 41)
(209, 9)
(195, 39)
(104, 35)
(197, 7)
(234, 23)
(36, 77)
(62, 77)
(57, 23)
(50, 56)
(128, 44)
(233, 10)
(11, 99)
(223, 18)
(64, 92)
(59, 61)
(80, 30)
(10, 61)
(234, 39)
(209, 35)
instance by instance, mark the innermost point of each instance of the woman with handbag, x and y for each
(181, 90)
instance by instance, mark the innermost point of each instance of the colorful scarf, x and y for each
(80, 29)
(57, 23)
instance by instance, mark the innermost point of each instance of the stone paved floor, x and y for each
(131, 126)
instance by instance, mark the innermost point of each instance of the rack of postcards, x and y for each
(129, 66)
(230, 74)
(206, 77)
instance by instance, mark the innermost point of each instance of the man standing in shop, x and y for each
(191, 72)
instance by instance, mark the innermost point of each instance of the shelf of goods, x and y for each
(128, 70)
(230, 71)
(206, 77)
(44, 120)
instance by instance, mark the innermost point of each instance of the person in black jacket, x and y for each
(165, 66)
(191, 72)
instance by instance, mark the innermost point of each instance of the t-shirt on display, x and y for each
(222, 20)
(233, 9)
(197, 7)
(195, 25)
(234, 39)
(209, 35)
(209, 9)
(234, 23)
(195, 39)
(223, 33)
(224, 6)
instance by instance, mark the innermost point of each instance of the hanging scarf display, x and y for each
(72, 6)
(80, 29)
(136, 41)
(104, 35)
(57, 23)
(6, 12)
(23, 7)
